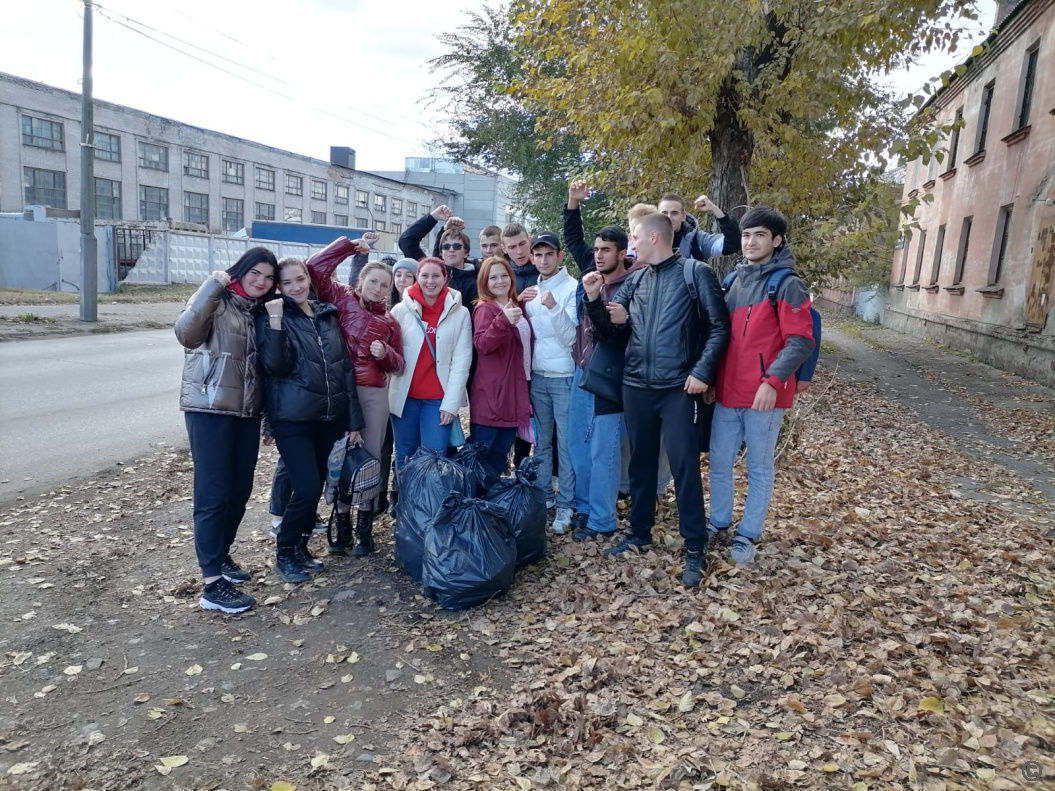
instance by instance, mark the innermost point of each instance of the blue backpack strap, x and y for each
(727, 282)
(773, 284)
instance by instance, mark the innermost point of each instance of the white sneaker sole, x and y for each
(205, 604)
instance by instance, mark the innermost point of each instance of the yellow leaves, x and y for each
(174, 761)
(933, 705)
(194, 670)
(435, 647)
(634, 721)
(424, 679)
(130, 671)
(784, 736)
(655, 735)
(834, 700)
(728, 615)
(329, 719)
(346, 738)
(241, 727)
(282, 785)
(687, 702)
(830, 768)
(73, 670)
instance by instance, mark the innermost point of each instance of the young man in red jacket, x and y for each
(756, 378)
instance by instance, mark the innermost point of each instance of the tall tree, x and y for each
(495, 125)
(750, 101)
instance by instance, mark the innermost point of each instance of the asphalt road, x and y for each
(70, 407)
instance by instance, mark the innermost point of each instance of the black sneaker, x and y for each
(629, 544)
(579, 521)
(586, 533)
(692, 576)
(234, 573)
(223, 596)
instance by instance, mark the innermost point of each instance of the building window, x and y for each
(961, 252)
(397, 205)
(362, 222)
(904, 257)
(1029, 80)
(42, 133)
(954, 139)
(294, 184)
(233, 215)
(380, 201)
(412, 209)
(107, 147)
(379, 225)
(195, 164)
(233, 172)
(397, 227)
(196, 208)
(340, 195)
(318, 190)
(932, 169)
(107, 199)
(939, 244)
(265, 211)
(318, 218)
(1003, 238)
(340, 219)
(293, 215)
(153, 157)
(983, 116)
(44, 187)
(153, 203)
(361, 199)
(919, 257)
(265, 179)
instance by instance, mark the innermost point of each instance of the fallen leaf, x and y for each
(241, 727)
(128, 671)
(67, 627)
(328, 720)
(420, 679)
(142, 697)
(346, 738)
(352, 658)
(256, 657)
(22, 768)
(687, 702)
(282, 785)
(933, 705)
(174, 760)
(346, 679)
(73, 670)
(634, 720)
(193, 670)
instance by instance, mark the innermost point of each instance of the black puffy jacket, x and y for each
(307, 372)
(667, 337)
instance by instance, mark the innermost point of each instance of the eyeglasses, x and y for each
(452, 246)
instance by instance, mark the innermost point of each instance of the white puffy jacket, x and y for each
(554, 327)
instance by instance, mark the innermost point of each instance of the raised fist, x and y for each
(703, 203)
(591, 283)
(578, 191)
(274, 307)
(221, 277)
(442, 213)
(455, 222)
(371, 237)
(548, 300)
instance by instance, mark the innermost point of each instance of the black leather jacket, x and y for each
(307, 372)
(667, 337)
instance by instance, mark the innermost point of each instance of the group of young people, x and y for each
(619, 369)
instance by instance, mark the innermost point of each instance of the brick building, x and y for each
(976, 274)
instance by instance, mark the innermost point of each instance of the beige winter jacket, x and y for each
(220, 372)
(454, 351)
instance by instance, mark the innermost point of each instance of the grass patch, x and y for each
(126, 293)
(828, 347)
(31, 318)
(951, 350)
(25, 296)
(856, 328)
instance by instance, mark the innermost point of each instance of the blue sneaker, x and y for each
(629, 544)
(743, 551)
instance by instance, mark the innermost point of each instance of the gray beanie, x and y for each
(406, 263)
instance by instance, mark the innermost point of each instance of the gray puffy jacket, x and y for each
(220, 374)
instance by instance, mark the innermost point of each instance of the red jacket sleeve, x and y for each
(322, 265)
(491, 330)
(392, 362)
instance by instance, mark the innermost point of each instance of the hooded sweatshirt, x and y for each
(765, 345)
(425, 383)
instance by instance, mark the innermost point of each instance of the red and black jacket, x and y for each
(765, 345)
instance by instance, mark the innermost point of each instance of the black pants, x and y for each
(224, 449)
(281, 489)
(386, 461)
(305, 446)
(670, 414)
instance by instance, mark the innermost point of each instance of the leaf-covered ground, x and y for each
(893, 633)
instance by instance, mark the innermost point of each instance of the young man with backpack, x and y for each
(674, 322)
(772, 335)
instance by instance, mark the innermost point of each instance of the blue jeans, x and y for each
(549, 398)
(729, 428)
(594, 442)
(419, 427)
(499, 439)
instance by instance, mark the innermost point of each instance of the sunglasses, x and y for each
(452, 246)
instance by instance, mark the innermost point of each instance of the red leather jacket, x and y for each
(362, 322)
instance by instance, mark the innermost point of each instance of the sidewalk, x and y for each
(995, 416)
(26, 322)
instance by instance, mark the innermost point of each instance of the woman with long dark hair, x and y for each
(222, 402)
(499, 399)
(310, 401)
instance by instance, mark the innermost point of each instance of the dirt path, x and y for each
(893, 633)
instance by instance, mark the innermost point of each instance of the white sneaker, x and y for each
(562, 521)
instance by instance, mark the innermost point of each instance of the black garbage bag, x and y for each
(473, 456)
(525, 500)
(424, 482)
(470, 553)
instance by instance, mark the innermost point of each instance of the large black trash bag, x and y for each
(470, 554)
(424, 482)
(473, 456)
(525, 500)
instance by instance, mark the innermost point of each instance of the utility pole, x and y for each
(89, 246)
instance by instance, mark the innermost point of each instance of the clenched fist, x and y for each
(274, 307)
(591, 283)
(547, 300)
(221, 277)
(442, 213)
(377, 349)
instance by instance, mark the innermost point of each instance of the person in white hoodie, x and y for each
(550, 307)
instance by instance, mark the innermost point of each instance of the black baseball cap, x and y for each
(547, 238)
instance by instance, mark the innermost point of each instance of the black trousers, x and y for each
(671, 415)
(281, 489)
(304, 446)
(386, 461)
(224, 449)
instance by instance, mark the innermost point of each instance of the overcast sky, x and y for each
(327, 72)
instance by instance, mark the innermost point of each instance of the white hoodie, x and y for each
(554, 327)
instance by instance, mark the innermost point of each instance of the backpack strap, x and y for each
(776, 277)
(727, 281)
(688, 270)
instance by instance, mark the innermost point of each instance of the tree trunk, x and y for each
(731, 149)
